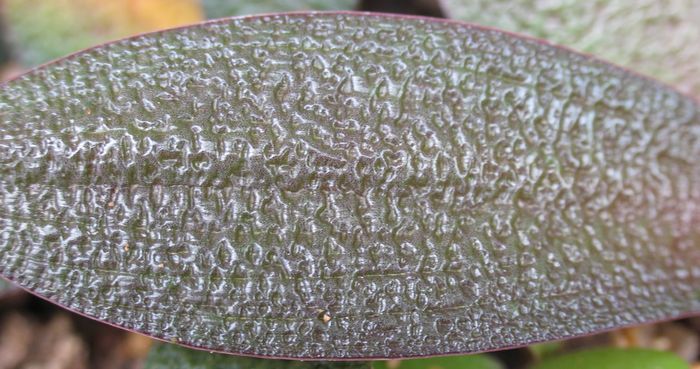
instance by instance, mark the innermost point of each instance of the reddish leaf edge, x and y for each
(360, 14)
(336, 359)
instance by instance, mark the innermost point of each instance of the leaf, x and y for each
(545, 350)
(42, 30)
(350, 186)
(443, 362)
(227, 8)
(167, 356)
(615, 358)
(646, 35)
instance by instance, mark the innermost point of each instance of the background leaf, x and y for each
(43, 30)
(650, 36)
(166, 356)
(543, 350)
(350, 186)
(228, 8)
(446, 362)
(615, 358)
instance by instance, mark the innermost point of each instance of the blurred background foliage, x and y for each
(660, 38)
(42, 30)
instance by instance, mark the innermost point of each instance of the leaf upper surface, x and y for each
(350, 186)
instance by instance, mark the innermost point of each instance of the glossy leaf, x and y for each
(228, 8)
(615, 358)
(649, 36)
(443, 362)
(166, 356)
(350, 186)
(42, 30)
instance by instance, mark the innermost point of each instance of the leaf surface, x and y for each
(350, 186)
(649, 36)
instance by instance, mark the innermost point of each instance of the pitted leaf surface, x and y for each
(350, 186)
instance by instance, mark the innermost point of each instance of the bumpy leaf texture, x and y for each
(337, 185)
(651, 36)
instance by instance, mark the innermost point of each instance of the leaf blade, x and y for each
(349, 186)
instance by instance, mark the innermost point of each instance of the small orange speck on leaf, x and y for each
(324, 317)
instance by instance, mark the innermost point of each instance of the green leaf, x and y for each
(350, 186)
(443, 362)
(544, 350)
(649, 36)
(165, 356)
(615, 358)
(227, 8)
